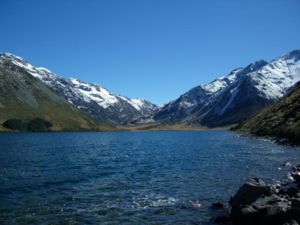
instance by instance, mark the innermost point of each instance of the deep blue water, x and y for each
(128, 177)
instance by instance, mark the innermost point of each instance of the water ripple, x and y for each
(128, 177)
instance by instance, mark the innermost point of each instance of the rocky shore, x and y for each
(257, 203)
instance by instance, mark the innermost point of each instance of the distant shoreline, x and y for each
(142, 127)
(160, 127)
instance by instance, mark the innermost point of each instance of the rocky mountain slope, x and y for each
(281, 120)
(234, 97)
(24, 97)
(225, 101)
(91, 98)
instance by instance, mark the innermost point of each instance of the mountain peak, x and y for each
(234, 97)
(92, 98)
(295, 54)
(11, 56)
(256, 65)
(14, 58)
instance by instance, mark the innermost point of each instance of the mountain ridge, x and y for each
(225, 101)
(232, 98)
(92, 98)
(280, 120)
(26, 98)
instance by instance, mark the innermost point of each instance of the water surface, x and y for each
(128, 177)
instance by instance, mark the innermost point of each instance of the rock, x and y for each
(247, 215)
(217, 205)
(293, 214)
(256, 203)
(264, 210)
(275, 188)
(249, 192)
(289, 177)
(291, 222)
(191, 205)
(287, 164)
(295, 202)
(221, 219)
(289, 189)
(296, 168)
(296, 176)
(196, 204)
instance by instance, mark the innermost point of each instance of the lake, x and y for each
(129, 177)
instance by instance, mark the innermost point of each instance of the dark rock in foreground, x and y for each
(221, 219)
(256, 203)
(217, 205)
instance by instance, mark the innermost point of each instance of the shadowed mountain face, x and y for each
(233, 98)
(95, 100)
(24, 97)
(281, 120)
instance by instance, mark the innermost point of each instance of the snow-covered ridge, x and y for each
(274, 79)
(271, 79)
(227, 99)
(222, 82)
(38, 72)
(93, 92)
(233, 97)
(88, 91)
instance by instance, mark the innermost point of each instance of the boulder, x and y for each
(296, 176)
(293, 214)
(290, 189)
(249, 192)
(265, 210)
(296, 168)
(256, 203)
(291, 222)
(296, 202)
(221, 219)
(287, 164)
(217, 205)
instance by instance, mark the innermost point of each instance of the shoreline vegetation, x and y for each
(279, 122)
(142, 127)
(152, 127)
(40, 125)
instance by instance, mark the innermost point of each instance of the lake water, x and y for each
(128, 177)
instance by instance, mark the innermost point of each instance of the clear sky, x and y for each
(153, 49)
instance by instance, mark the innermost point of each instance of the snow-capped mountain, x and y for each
(89, 97)
(234, 97)
(226, 100)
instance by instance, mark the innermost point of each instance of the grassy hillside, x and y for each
(24, 97)
(281, 120)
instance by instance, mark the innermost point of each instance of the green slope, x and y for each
(24, 97)
(281, 120)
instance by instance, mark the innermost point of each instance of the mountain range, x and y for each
(233, 98)
(26, 98)
(225, 101)
(88, 97)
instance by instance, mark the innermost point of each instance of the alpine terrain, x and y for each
(281, 120)
(225, 101)
(25, 98)
(93, 99)
(235, 97)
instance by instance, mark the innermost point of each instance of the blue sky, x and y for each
(153, 49)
